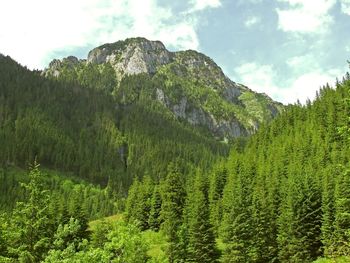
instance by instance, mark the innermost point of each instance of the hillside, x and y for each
(284, 197)
(75, 129)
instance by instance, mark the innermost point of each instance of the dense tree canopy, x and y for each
(283, 195)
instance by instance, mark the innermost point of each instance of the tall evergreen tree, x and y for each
(216, 188)
(172, 212)
(299, 233)
(201, 240)
(328, 213)
(156, 207)
(236, 228)
(29, 237)
(342, 214)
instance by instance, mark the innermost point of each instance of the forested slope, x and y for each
(82, 130)
(284, 197)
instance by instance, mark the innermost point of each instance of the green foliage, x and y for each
(122, 243)
(286, 195)
(156, 206)
(201, 245)
(342, 215)
(126, 244)
(121, 134)
(172, 212)
(236, 228)
(300, 221)
(216, 188)
(28, 232)
(138, 205)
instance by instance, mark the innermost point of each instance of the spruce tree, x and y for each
(328, 213)
(172, 212)
(216, 189)
(299, 233)
(236, 228)
(342, 191)
(132, 202)
(201, 240)
(29, 233)
(264, 243)
(156, 207)
(342, 214)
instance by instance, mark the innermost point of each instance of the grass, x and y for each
(157, 245)
(109, 219)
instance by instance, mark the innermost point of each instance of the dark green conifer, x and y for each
(201, 246)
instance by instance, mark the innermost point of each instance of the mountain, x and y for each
(126, 116)
(129, 109)
(190, 85)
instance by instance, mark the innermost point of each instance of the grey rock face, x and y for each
(231, 93)
(56, 65)
(198, 117)
(160, 96)
(220, 128)
(180, 109)
(71, 60)
(98, 56)
(138, 56)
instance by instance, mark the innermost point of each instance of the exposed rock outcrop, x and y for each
(193, 87)
(133, 56)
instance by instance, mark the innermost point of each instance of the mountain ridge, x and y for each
(189, 84)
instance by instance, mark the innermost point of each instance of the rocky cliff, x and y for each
(189, 84)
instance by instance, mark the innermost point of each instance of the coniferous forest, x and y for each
(90, 173)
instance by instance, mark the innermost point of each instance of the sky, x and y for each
(287, 49)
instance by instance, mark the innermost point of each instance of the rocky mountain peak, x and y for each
(132, 56)
(187, 83)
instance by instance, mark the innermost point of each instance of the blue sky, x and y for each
(285, 48)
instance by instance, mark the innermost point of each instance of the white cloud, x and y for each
(251, 21)
(39, 27)
(345, 6)
(306, 85)
(263, 79)
(260, 78)
(303, 63)
(311, 16)
(203, 4)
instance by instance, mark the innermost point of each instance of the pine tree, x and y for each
(138, 205)
(3, 249)
(236, 228)
(342, 214)
(172, 212)
(217, 184)
(299, 233)
(146, 191)
(328, 213)
(29, 232)
(342, 193)
(132, 202)
(201, 240)
(264, 243)
(156, 207)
